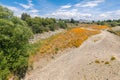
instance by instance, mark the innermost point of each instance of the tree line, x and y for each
(40, 25)
(111, 23)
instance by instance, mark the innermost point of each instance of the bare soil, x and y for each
(98, 58)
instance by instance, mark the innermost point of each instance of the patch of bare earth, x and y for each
(44, 35)
(98, 58)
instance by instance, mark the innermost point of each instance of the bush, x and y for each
(97, 61)
(53, 27)
(113, 24)
(61, 24)
(14, 35)
(107, 62)
(112, 58)
(39, 25)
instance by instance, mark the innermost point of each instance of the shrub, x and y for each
(52, 27)
(112, 58)
(97, 61)
(113, 24)
(14, 35)
(107, 62)
(39, 25)
(62, 24)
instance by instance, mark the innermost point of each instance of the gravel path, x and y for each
(98, 58)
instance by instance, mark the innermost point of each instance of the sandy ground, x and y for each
(91, 61)
(117, 28)
(44, 35)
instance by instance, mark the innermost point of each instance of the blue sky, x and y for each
(66, 9)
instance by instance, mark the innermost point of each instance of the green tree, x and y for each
(52, 27)
(14, 35)
(5, 13)
(24, 16)
(72, 20)
(62, 24)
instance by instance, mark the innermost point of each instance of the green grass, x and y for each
(34, 48)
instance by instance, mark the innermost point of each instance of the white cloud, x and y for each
(34, 15)
(78, 5)
(103, 15)
(85, 10)
(18, 11)
(30, 3)
(66, 6)
(87, 14)
(67, 14)
(108, 15)
(117, 12)
(34, 11)
(89, 3)
(26, 6)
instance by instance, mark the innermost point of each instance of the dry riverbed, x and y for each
(98, 58)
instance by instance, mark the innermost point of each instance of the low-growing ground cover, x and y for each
(71, 38)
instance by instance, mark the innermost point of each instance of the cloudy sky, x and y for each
(77, 9)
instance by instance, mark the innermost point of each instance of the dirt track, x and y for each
(91, 61)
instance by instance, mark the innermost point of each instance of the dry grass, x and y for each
(107, 62)
(94, 26)
(70, 38)
(97, 61)
(99, 27)
(113, 58)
